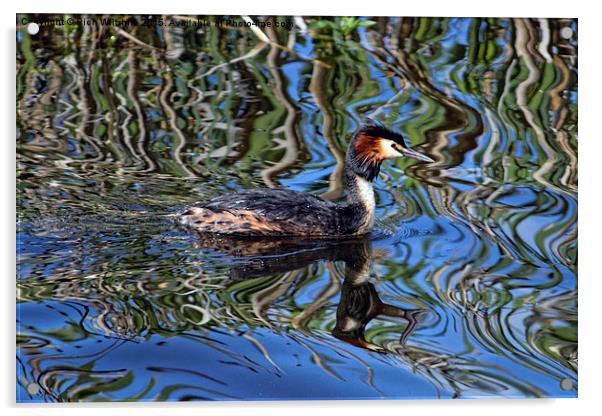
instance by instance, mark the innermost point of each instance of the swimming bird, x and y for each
(284, 212)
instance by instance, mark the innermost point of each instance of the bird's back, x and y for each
(265, 212)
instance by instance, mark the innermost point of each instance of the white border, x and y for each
(590, 153)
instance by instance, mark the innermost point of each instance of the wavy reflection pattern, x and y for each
(469, 288)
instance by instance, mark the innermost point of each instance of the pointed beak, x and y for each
(415, 155)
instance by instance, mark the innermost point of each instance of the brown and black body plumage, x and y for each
(258, 212)
(282, 212)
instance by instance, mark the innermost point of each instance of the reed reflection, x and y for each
(120, 128)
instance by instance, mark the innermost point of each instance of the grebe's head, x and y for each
(374, 144)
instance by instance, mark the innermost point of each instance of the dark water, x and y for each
(467, 289)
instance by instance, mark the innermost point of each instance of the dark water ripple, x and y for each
(471, 274)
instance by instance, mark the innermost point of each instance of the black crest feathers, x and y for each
(374, 128)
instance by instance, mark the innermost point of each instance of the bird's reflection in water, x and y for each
(359, 300)
(359, 304)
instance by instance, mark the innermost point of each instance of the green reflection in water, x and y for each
(118, 129)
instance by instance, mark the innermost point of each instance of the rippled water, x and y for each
(467, 289)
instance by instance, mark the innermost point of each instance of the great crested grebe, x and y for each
(283, 212)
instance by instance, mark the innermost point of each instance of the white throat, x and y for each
(365, 196)
(365, 192)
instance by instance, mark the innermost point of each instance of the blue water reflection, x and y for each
(468, 287)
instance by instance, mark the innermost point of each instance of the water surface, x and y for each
(471, 273)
